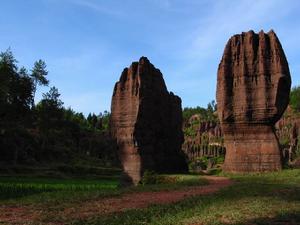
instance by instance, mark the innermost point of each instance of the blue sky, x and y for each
(87, 43)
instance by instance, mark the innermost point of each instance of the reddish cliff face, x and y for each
(288, 133)
(146, 122)
(252, 94)
(202, 138)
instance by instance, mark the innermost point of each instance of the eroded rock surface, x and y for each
(202, 138)
(288, 133)
(252, 94)
(146, 122)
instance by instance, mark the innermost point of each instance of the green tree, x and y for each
(52, 98)
(295, 98)
(16, 89)
(92, 120)
(50, 113)
(206, 114)
(46, 131)
(50, 110)
(104, 120)
(16, 99)
(8, 70)
(211, 107)
(38, 74)
(23, 93)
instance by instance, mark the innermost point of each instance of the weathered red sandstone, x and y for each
(206, 138)
(252, 94)
(288, 133)
(146, 121)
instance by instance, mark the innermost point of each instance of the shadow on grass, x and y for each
(282, 219)
(245, 189)
(18, 191)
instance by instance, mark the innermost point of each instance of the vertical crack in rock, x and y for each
(146, 121)
(252, 94)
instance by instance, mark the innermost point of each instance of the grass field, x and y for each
(14, 188)
(34, 190)
(271, 198)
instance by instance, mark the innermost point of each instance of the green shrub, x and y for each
(295, 99)
(149, 177)
(201, 163)
(219, 159)
(297, 152)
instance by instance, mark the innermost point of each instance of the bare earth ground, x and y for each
(29, 214)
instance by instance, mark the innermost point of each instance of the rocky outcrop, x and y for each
(288, 133)
(202, 138)
(146, 122)
(252, 94)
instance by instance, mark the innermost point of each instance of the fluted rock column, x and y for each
(252, 94)
(146, 122)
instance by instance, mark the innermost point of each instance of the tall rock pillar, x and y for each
(252, 94)
(146, 122)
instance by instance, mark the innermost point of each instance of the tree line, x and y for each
(45, 131)
(206, 114)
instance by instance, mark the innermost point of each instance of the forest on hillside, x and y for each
(47, 132)
(36, 133)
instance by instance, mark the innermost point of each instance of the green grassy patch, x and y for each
(156, 182)
(52, 191)
(270, 198)
(47, 191)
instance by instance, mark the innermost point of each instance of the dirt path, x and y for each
(15, 215)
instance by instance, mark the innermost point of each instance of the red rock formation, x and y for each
(203, 139)
(146, 122)
(288, 133)
(252, 94)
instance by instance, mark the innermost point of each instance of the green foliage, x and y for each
(38, 75)
(201, 163)
(16, 187)
(46, 131)
(16, 89)
(219, 159)
(252, 199)
(198, 163)
(297, 152)
(93, 121)
(190, 111)
(189, 132)
(149, 177)
(206, 114)
(52, 98)
(153, 181)
(212, 107)
(284, 141)
(295, 98)
(191, 127)
(105, 117)
(49, 111)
